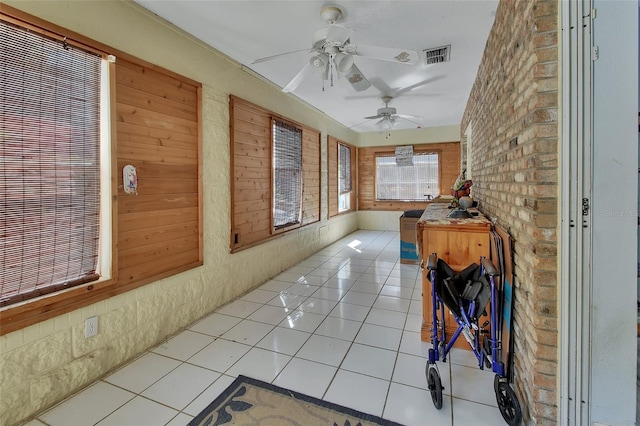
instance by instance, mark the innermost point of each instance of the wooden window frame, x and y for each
(391, 155)
(333, 150)
(20, 315)
(56, 177)
(448, 170)
(293, 225)
(248, 135)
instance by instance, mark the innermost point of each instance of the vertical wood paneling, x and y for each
(251, 165)
(449, 170)
(332, 168)
(354, 174)
(158, 133)
(251, 181)
(310, 176)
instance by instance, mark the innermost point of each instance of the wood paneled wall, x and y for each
(311, 175)
(250, 130)
(155, 126)
(159, 229)
(332, 173)
(251, 169)
(449, 154)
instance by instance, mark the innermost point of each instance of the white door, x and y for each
(599, 212)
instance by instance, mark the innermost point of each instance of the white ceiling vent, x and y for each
(437, 55)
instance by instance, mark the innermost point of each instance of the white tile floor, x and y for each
(342, 325)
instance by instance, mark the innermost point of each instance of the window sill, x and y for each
(24, 314)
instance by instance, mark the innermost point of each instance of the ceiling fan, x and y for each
(333, 51)
(390, 119)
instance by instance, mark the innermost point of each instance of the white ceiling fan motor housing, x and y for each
(386, 111)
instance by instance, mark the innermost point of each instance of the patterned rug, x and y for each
(249, 401)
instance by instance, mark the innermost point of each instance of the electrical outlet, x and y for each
(90, 327)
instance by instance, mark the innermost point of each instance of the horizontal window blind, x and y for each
(49, 164)
(418, 182)
(287, 175)
(344, 169)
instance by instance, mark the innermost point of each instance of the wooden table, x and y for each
(459, 242)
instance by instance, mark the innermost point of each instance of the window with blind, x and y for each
(344, 177)
(417, 182)
(272, 189)
(341, 188)
(50, 172)
(287, 175)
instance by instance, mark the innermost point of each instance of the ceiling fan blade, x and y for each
(416, 85)
(373, 117)
(269, 58)
(399, 116)
(361, 123)
(401, 56)
(410, 117)
(297, 79)
(357, 80)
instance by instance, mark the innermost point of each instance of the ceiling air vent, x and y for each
(436, 55)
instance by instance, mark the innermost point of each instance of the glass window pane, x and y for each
(287, 174)
(344, 169)
(418, 182)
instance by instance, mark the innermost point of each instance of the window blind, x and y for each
(287, 174)
(49, 164)
(344, 169)
(418, 182)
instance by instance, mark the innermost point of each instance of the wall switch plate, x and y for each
(90, 327)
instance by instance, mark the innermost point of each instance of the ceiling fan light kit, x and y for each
(319, 62)
(387, 123)
(343, 62)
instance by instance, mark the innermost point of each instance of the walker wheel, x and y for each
(435, 386)
(508, 403)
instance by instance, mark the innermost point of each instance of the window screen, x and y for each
(287, 174)
(418, 182)
(49, 164)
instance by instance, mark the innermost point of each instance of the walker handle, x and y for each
(489, 269)
(432, 262)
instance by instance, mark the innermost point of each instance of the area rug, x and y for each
(250, 401)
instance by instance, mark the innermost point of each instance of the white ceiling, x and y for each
(249, 30)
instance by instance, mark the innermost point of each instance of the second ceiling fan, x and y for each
(389, 118)
(333, 52)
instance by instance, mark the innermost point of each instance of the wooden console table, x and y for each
(459, 242)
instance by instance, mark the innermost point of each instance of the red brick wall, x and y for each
(513, 114)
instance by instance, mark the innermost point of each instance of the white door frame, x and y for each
(598, 250)
(575, 224)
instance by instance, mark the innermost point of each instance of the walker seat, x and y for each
(468, 290)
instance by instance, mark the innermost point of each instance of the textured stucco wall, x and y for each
(46, 362)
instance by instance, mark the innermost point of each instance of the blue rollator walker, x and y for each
(466, 295)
